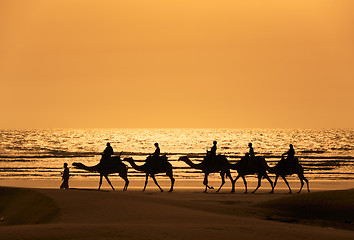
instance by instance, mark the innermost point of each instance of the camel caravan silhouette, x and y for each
(155, 166)
(115, 165)
(106, 166)
(212, 163)
(249, 166)
(220, 164)
(283, 170)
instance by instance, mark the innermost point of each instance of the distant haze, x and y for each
(172, 64)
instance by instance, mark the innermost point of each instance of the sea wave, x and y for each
(191, 155)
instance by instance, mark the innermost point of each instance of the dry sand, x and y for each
(186, 213)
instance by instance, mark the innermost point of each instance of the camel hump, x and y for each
(289, 163)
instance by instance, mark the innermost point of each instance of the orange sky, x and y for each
(161, 64)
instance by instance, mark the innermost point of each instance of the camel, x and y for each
(282, 170)
(152, 167)
(220, 164)
(113, 166)
(247, 166)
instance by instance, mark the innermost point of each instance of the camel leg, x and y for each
(153, 177)
(259, 182)
(270, 181)
(236, 178)
(275, 181)
(124, 176)
(146, 181)
(99, 185)
(244, 182)
(307, 183)
(205, 182)
(300, 171)
(222, 174)
(109, 182)
(302, 184)
(170, 175)
(228, 174)
(126, 184)
(286, 181)
(302, 177)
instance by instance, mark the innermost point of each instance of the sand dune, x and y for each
(329, 208)
(25, 206)
(188, 214)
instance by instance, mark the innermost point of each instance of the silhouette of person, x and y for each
(290, 155)
(211, 155)
(108, 150)
(106, 155)
(156, 154)
(251, 152)
(213, 149)
(65, 177)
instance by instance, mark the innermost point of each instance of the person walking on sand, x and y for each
(65, 177)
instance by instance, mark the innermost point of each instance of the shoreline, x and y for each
(180, 184)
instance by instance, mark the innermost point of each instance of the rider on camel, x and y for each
(289, 161)
(251, 152)
(154, 156)
(211, 155)
(106, 155)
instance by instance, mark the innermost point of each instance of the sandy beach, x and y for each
(186, 94)
(187, 213)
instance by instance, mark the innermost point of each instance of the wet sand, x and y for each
(197, 184)
(187, 213)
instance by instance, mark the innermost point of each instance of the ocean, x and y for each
(40, 153)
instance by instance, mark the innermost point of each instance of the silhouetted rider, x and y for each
(106, 155)
(108, 150)
(251, 152)
(156, 154)
(290, 161)
(212, 151)
(290, 153)
(211, 155)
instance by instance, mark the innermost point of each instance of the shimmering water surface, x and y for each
(40, 154)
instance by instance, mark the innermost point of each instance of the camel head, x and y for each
(78, 165)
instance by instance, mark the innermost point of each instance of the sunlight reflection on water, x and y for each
(326, 151)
